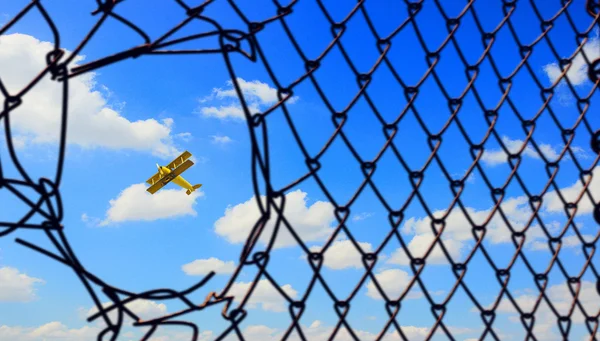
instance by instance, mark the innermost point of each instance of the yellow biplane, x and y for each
(172, 172)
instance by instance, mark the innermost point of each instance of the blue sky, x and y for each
(130, 115)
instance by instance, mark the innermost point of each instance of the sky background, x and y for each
(126, 117)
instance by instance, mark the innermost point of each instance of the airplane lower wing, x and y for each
(154, 179)
(169, 177)
(154, 188)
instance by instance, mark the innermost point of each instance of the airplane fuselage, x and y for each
(179, 180)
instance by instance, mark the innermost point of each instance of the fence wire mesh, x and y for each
(47, 200)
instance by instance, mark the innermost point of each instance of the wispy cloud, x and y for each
(362, 216)
(222, 140)
(494, 157)
(258, 96)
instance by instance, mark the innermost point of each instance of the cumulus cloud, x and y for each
(92, 122)
(588, 296)
(545, 320)
(561, 298)
(52, 331)
(16, 286)
(393, 282)
(312, 223)
(342, 254)
(203, 266)
(173, 335)
(419, 245)
(144, 309)
(577, 74)
(458, 228)
(318, 331)
(553, 204)
(135, 204)
(263, 295)
(215, 139)
(258, 96)
(517, 210)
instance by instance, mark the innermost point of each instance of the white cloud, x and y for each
(419, 245)
(19, 141)
(393, 282)
(494, 157)
(90, 221)
(312, 222)
(144, 309)
(342, 254)
(577, 74)
(163, 333)
(553, 204)
(545, 327)
(255, 91)
(317, 331)
(264, 294)
(562, 299)
(567, 242)
(362, 216)
(187, 137)
(203, 266)
(228, 111)
(16, 286)
(516, 209)
(258, 96)
(92, 123)
(135, 203)
(173, 335)
(221, 139)
(52, 331)
(459, 229)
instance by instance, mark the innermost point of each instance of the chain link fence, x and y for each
(233, 42)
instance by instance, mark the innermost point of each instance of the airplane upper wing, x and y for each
(179, 160)
(182, 168)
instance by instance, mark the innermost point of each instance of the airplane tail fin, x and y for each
(195, 187)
